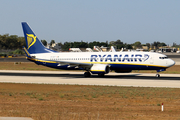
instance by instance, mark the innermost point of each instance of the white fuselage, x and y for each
(129, 58)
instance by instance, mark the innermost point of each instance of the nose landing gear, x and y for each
(157, 75)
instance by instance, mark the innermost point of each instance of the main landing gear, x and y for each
(87, 74)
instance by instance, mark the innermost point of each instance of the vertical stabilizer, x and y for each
(32, 42)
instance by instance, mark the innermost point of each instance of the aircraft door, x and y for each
(151, 60)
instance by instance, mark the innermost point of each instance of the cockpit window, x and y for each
(163, 57)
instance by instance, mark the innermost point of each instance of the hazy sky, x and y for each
(94, 20)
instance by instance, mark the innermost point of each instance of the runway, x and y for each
(14, 59)
(77, 78)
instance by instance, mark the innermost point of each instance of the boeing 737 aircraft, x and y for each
(93, 62)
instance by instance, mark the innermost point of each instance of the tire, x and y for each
(87, 74)
(157, 75)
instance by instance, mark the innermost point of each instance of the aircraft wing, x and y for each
(74, 64)
(62, 63)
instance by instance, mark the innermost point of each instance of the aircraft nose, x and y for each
(171, 63)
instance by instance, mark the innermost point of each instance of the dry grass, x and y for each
(75, 102)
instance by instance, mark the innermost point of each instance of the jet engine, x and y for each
(100, 68)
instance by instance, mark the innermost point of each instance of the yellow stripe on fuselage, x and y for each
(42, 60)
(125, 64)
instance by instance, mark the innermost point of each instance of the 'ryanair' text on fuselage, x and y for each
(119, 58)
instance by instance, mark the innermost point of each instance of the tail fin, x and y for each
(27, 53)
(32, 42)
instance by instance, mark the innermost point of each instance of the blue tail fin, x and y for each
(27, 53)
(32, 42)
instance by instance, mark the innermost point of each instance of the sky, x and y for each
(94, 20)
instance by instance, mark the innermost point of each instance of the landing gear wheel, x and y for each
(101, 74)
(87, 74)
(158, 75)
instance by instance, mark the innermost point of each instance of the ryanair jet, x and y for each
(93, 62)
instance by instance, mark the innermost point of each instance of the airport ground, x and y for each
(43, 101)
(80, 102)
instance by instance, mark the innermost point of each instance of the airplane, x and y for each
(100, 63)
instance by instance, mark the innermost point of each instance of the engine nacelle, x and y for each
(123, 71)
(100, 68)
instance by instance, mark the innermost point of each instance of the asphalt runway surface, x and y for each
(14, 59)
(74, 78)
(173, 56)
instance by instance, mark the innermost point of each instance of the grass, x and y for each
(72, 102)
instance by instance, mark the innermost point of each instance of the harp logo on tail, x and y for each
(31, 40)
